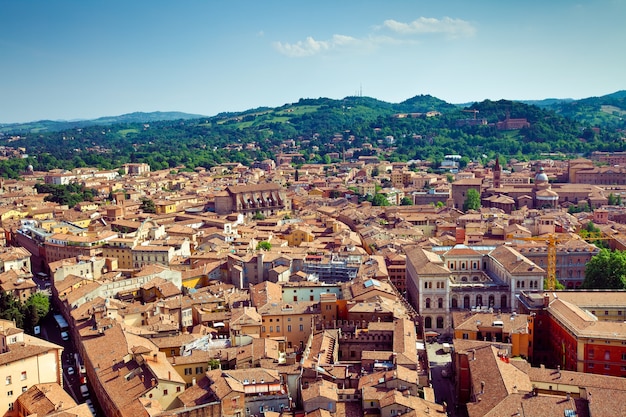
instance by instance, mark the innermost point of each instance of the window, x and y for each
(178, 389)
(289, 327)
(278, 328)
(164, 392)
(465, 336)
(607, 355)
(188, 371)
(624, 356)
(10, 406)
(8, 379)
(591, 365)
(9, 393)
(23, 376)
(592, 354)
(301, 328)
(199, 369)
(271, 329)
(607, 366)
(263, 329)
(24, 388)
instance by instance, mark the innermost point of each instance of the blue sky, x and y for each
(86, 59)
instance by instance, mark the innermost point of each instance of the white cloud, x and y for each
(311, 46)
(447, 25)
(307, 47)
(423, 25)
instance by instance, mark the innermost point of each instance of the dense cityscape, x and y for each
(332, 283)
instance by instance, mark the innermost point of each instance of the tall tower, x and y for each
(497, 172)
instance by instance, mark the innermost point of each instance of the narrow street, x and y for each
(442, 380)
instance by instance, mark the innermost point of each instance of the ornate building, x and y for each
(267, 199)
(483, 278)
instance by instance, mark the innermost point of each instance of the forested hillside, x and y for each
(321, 129)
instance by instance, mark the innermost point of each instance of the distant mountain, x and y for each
(425, 103)
(547, 102)
(608, 111)
(59, 125)
(321, 129)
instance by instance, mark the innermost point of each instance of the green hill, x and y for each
(321, 129)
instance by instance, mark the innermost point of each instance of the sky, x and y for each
(67, 60)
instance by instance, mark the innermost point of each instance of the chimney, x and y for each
(154, 357)
(546, 299)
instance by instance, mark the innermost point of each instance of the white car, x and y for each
(70, 370)
(65, 335)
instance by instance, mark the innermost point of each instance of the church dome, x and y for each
(541, 177)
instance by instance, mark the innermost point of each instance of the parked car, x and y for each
(90, 405)
(65, 335)
(84, 391)
(70, 370)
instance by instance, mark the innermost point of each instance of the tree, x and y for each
(614, 200)
(147, 205)
(40, 302)
(11, 308)
(214, 364)
(606, 270)
(258, 216)
(472, 200)
(406, 201)
(380, 200)
(264, 245)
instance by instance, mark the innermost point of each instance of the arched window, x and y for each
(492, 301)
(464, 279)
(440, 322)
(466, 301)
(503, 301)
(428, 303)
(440, 303)
(455, 303)
(479, 300)
(428, 323)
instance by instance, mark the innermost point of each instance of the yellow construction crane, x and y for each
(472, 111)
(551, 240)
